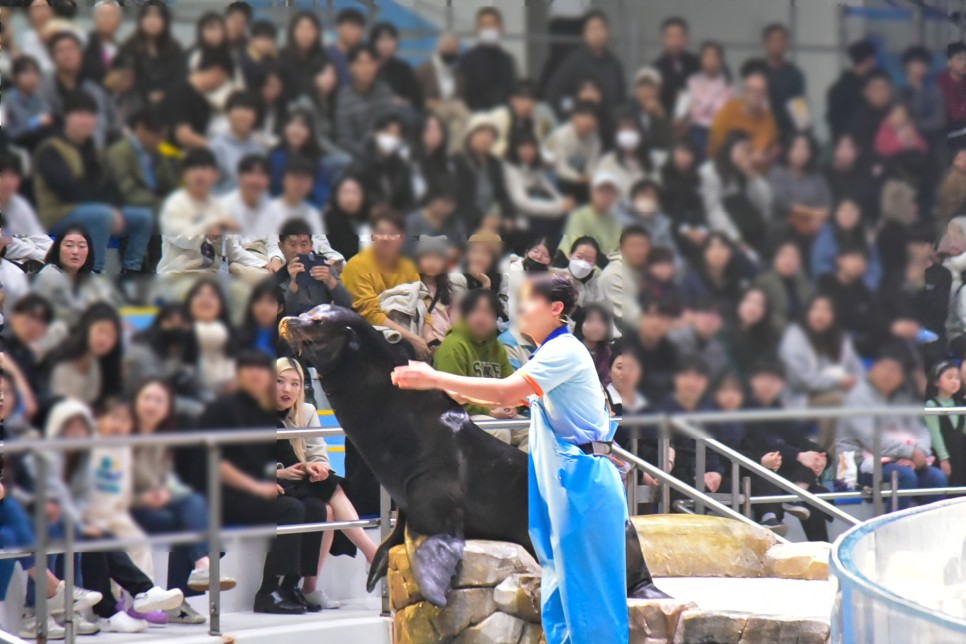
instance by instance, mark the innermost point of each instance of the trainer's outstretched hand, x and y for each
(415, 375)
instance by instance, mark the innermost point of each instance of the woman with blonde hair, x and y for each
(304, 470)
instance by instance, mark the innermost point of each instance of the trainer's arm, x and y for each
(493, 392)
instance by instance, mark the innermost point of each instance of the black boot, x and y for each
(277, 603)
(295, 594)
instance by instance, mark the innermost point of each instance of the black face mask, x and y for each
(532, 266)
(449, 57)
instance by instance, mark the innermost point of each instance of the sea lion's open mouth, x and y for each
(291, 330)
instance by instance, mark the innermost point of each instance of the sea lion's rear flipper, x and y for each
(380, 562)
(435, 560)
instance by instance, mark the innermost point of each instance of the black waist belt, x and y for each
(596, 448)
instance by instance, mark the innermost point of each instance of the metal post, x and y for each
(40, 527)
(449, 15)
(735, 486)
(663, 453)
(69, 629)
(632, 480)
(214, 539)
(746, 490)
(385, 511)
(877, 508)
(894, 485)
(700, 465)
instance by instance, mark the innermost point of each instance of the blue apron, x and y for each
(577, 519)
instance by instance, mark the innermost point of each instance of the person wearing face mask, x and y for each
(582, 267)
(645, 210)
(383, 166)
(491, 69)
(630, 160)
(443, 87)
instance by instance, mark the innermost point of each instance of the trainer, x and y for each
(577, 507)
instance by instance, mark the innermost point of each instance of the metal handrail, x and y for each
(684, 488)
(776, 479)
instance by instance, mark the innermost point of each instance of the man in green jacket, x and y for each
(473, 349)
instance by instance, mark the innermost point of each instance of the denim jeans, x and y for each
(185, 514)
(910, 479)
(16, 531)
(98, 220)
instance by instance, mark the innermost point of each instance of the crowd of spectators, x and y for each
(733, 248)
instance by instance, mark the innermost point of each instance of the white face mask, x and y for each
(387, 143)
(489, 36)
(581, 268)
(628, 139)
(645, 206)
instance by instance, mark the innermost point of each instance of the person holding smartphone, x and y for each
(308, 278)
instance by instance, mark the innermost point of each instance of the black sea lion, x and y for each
(450, 479)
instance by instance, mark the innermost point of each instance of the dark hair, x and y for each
(390, 118)
(198, 158)
(35, 306)
(386, 215)
(138, 41)
(769, 365)
(150, 118)
(359, 50)
(754, 68)
(169, 422)
(691, 364)
(489, 11)
(813, 150)
(65, 34)
(298, 165)
(10, 162)
(80, 101)
(660, 255)
(554, 287)
(589, 310)
(154, 336)
(381, 29)
(917, 53)
(296, 19)
(773, 27)
(23, 64)
(586, 240)
(584, 108)
(310, 148)
(264, 29)
(219, 57)
(723, 164)
(674, 21)
(861, 51)
(294, 228)
(642, 153)
(876, 75)
(239, 6)
(267, 288)
(524, 87)
(254, 162)
(955, 48)
(76, 346)
(242, 99)
(251, 358)
(473, 297)
(350, 15)
(829, 342)
(53, 255)
(207, 19)
(633, 230)
(212, 283)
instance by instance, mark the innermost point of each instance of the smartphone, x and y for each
(309, 261)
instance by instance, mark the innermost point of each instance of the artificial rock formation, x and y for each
(495, 600)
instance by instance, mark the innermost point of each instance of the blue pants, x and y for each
(16, 531)
(98, 220)
(910, 479)
(186, 514)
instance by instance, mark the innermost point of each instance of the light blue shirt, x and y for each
(563, 375)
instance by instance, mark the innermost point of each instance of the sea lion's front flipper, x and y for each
(435, 560)
(380, 562)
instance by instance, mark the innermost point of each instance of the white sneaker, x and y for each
(319, 597)
(158, 599)
(200, 580)
(83, 599)
(29, 628)
(82, 625)
(121, 622)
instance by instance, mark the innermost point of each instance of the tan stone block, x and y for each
(798, 560)
(684, 545)
(655, 620)
(498, 628)
(403, 589)
(532, 634)
(519, 595)
(699, 627)
(487, 563)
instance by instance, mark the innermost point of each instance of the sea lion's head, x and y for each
(324, 336)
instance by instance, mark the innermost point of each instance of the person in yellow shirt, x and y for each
(750, 114)
(379, 268)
